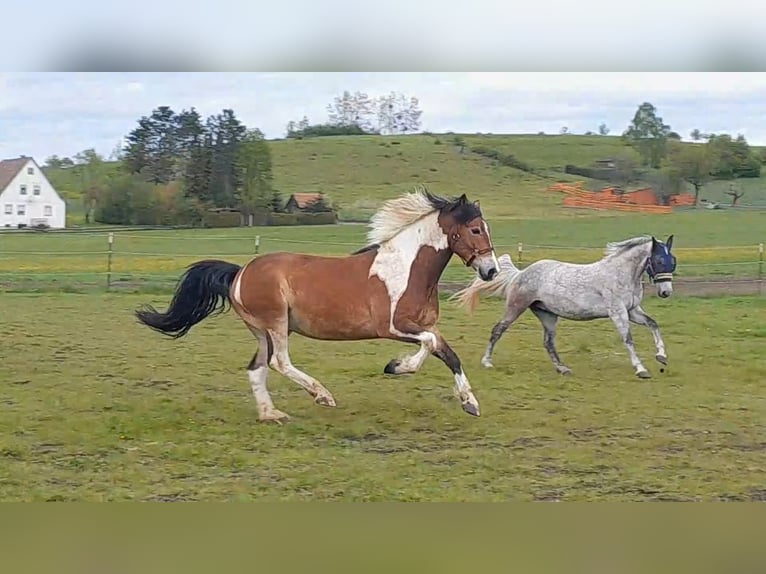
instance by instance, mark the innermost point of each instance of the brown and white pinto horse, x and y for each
(387, 290)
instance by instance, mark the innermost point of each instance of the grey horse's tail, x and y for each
(497, 287)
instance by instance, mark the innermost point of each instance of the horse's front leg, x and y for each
(639, 317)
(439, 348)
(408, 364)
(621, 320)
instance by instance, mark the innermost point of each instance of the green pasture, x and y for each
(722, 244)
(97, 407)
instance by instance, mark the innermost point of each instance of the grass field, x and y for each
(717, 244)
(96, 407)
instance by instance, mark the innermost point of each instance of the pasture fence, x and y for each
(154, 260)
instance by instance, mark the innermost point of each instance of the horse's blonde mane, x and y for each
(616, 247)
(398, 213)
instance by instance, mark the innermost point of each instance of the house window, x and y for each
(23, 189)
(30, 170)
(48, 211)
(9, 209)
(36, 190)
(21, 209)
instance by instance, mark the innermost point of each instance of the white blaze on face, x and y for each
(393, 262)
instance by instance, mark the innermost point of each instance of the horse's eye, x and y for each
(476, 231)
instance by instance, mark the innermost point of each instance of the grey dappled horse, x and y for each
(610, 287)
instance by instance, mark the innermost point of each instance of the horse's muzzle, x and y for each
(489, 274)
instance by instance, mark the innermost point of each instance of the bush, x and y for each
(321, 218)
(283, 219)
(222, 219)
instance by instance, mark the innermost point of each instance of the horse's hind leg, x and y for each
(280, 362)
(639, 317)
(549, 321)
(621, 320)
(512, 312)
(257, 372)
(408, 364)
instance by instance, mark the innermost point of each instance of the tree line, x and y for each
(666, 164)
(176, 166)
(359, 114)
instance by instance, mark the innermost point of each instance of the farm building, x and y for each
(27, 198)
(301, 202)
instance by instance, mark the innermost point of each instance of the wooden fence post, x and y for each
(257, 244)
(110, 240)
(760, 268)
(520, 250)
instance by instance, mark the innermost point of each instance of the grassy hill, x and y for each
(359, 172)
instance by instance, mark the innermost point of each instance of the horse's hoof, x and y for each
(325, 400)
(487, 363)
(661, 359)
(274, 416)
(471, 409)
(564, 370)
(643, 375)
(390, 368)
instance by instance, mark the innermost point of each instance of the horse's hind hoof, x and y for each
(643, 375)
(486, 363)
(325, 401)
(661, 359)
(564, 370)
(274, 416)
(471, 409)
(390, 368)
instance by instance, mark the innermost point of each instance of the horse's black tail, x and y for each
(202, 290)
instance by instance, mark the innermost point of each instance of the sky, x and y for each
(62, 113)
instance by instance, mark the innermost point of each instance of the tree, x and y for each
(56, 162)
(152, 147)
(256, 193)
(625, 172)
(735, 158)
(666, 182)
(225, 134)
(694, 164)
(603, 129)
(398, 114)
(564, 130)
(351, 110)
(648, 134)
(735, 194)
(696, 135)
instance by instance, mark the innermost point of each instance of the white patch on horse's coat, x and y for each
(258, 383)
(394, 259)
(236, 295)
(463, 390)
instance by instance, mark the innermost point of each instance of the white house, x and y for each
(27, 198)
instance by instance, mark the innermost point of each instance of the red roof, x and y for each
(9, 168)
(303, 200)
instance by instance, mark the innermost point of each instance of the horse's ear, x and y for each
(462, 200)
(476, 203)
(669, 242)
